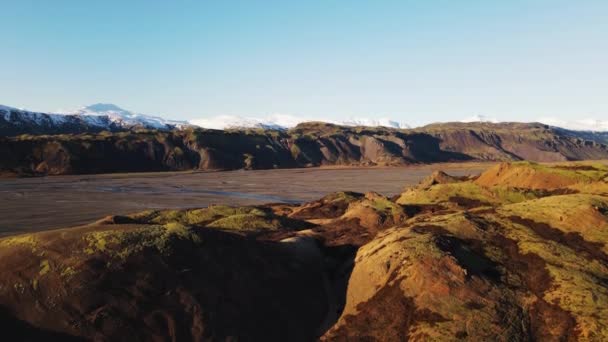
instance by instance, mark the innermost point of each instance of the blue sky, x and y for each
(414, 61)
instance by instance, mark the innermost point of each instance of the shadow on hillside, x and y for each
(14, 329)
(210, 285)
(426, 148)
(340, 261)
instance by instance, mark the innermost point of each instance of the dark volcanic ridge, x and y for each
(516, 254)
(306, 145)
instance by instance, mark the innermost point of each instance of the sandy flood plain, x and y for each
(35, 204)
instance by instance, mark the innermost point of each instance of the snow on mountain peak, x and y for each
(4, 108)
(106, 114)
(7, 111)
(32, 117)
(285, 121)
(381, 122)
(274, 121)
(480, 118)
(589, 124)
(103, 115)
(124, 117)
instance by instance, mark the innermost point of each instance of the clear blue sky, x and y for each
(414, 61)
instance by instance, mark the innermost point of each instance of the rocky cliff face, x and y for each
(310, 144)
(519, 253)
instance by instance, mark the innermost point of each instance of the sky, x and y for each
(412, 61)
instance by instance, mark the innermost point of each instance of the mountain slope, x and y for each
(516, 141)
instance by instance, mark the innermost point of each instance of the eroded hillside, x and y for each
(308, 144)
(517, 253)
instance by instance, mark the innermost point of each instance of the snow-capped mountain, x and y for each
(94, 118)
(24, 116)
(583, 125)
(14, 121)
(285, 121)
(125, 118)
(102, 116)
(591, 125)
(381, 122)
(275, 121)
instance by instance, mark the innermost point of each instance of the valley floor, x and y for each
(35, 204)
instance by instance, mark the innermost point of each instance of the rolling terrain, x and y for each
(517, 253)
(306, 145)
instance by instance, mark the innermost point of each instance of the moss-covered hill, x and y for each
(516, 254)
(308, 144)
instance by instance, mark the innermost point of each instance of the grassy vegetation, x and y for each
(220, 217)
(25, 239)
(45, 267)
(342, 196)
(178, 151)
(443, 193)
(600, 188)
(576, 281)
(246, 222)
(123, 243)
(248, 160)
(587, 179)
(386, 206)
(576, 213)
(587, 173)
(196, 217)
(68, 272)
(295, 150)
(98, 241)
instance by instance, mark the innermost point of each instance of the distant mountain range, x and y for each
(284, 121)
(90, 119)
(109, 117)
(118, 140)
(306, 145)
(127, 119)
